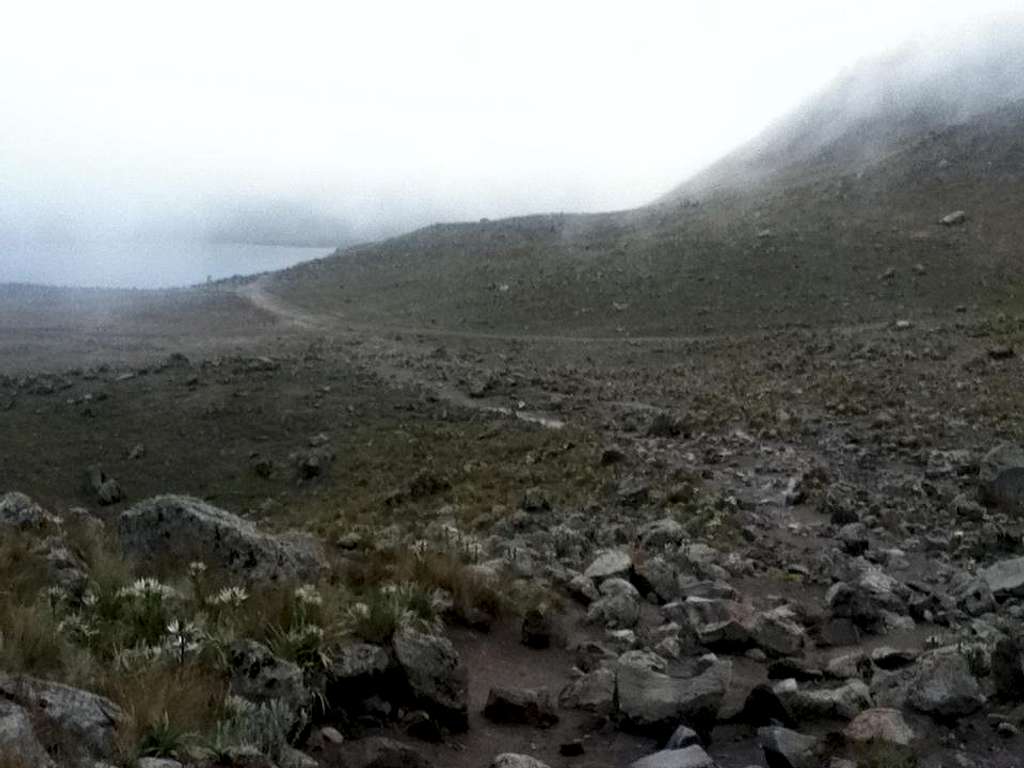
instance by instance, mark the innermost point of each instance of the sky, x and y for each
(117, 117)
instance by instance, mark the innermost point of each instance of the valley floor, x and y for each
(668, 496)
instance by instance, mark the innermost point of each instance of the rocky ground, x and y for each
(800, 548)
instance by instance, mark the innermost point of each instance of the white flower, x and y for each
(147, 588)
(233, 597)
(307, 594)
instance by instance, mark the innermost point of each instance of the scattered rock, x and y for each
(944, 686)
(437, 679)
(521, 706)
(656, 703)
(880, 724)
(953, 219)
(784, 748)
(260, 676)
(688, 757)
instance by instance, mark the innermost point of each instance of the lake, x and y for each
(132, 264)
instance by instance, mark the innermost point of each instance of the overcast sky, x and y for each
(118, 112)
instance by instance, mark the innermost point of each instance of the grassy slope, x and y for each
(685, 268)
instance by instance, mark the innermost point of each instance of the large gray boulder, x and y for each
(1005, 578)
(1003, 457)
(944, 686)
(688, 757)
(784, 748)
(359, 672)
(184, 529)
(90, 719)
(436, 676)
(609, 563)
(651, 701)
(17, 738)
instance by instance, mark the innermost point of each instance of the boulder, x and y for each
(842, 703)
(1005, 578)
(944, 686)
(260, 676)
(591, 692)
(784, 748)
(616, 611)
(1006, 491)
(437, 679)
(881, 724)
(91, 719)
(17, 738)
(999, 459)
(687, 757)
(184, 529)
(778, 632)
(19, 511)
(378, 752)
(510, 760)
(521, 706)
(656, 703)
(609, 563)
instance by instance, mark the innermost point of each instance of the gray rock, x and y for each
(19, 511)
(510, 760)
(1002, 457)
(688, 757)
(591, 692)
(953, 219)
(609, 563)
(91, 719)
(842, 703)
(778, 632)
(260, 676)
(1006, 491)
(657, 579)
(658, 534)
(521, 706)
(682, 737)
(1005, 578)
(17, 737)
(656, 703)
(107, 490)
(186, 529)
(293, 758)
(616, 611)
(437, 678)
(944, 686)
(880, 724)
(784, 748)
(975, 598)
(380, 752)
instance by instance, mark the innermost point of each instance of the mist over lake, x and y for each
(141, 264)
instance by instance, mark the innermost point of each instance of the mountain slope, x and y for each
(831, 217)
